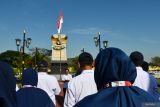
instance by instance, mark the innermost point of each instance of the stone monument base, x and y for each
(55, 67)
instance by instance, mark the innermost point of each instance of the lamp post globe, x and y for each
(105, 44)
(18, 42)
(28, 42)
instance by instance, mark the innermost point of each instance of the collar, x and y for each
(42, 73)
(87, 71)
(139, 68)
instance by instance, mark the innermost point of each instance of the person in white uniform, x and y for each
(144, 80)
(145, 67)
(66, 78)
(47, 82)
(83, 84)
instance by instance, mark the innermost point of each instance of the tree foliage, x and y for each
(14, 58)
(73, 62)
(155, 60)
(39, 54)
(10, 57)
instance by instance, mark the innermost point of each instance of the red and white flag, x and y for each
(60, 21)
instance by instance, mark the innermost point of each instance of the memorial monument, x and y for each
(59, 53)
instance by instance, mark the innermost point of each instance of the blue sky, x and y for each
(127, 24)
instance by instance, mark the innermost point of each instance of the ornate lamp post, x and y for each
(97, 41)
(82, 50)
(26, 43)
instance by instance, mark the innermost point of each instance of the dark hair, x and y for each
(42, 66)
(66, 69)
(29, 77)
(85, 59)
(145, 66)
(137, 58)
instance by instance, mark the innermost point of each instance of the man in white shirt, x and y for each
(47, 82)
(66, 78)
(83, 84)
(144, 80)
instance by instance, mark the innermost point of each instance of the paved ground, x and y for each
(60, 98)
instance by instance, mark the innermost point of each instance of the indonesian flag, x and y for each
(60, 21)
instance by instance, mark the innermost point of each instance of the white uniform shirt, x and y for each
(66, 77)
(80, 87)
(49, 84)
(146, 82)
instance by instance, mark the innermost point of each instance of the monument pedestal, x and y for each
(57, 65)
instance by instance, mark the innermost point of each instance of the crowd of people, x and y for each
(112, 80)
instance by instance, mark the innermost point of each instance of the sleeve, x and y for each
(58, 89)
(70, 100)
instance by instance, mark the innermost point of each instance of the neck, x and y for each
(87, 68)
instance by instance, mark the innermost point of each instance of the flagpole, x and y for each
(60, 21)
(60, 65)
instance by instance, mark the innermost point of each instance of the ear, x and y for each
(78, 64)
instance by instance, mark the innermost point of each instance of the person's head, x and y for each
(42, 66)
(85, 60)
(111, 65)
(137, 58)
(145, 66)
(29, 77)
(67, 71)
(7, 86)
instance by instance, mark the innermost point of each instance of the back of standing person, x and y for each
(83, 84)
(29, 95)
(114, 76)
(47, 82)
(7, 86)
(144, 80)
(145, 67)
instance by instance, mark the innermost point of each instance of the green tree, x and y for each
(14, 58)
(155, 60)
(10, 57)
(39, 54)
(73, 62)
